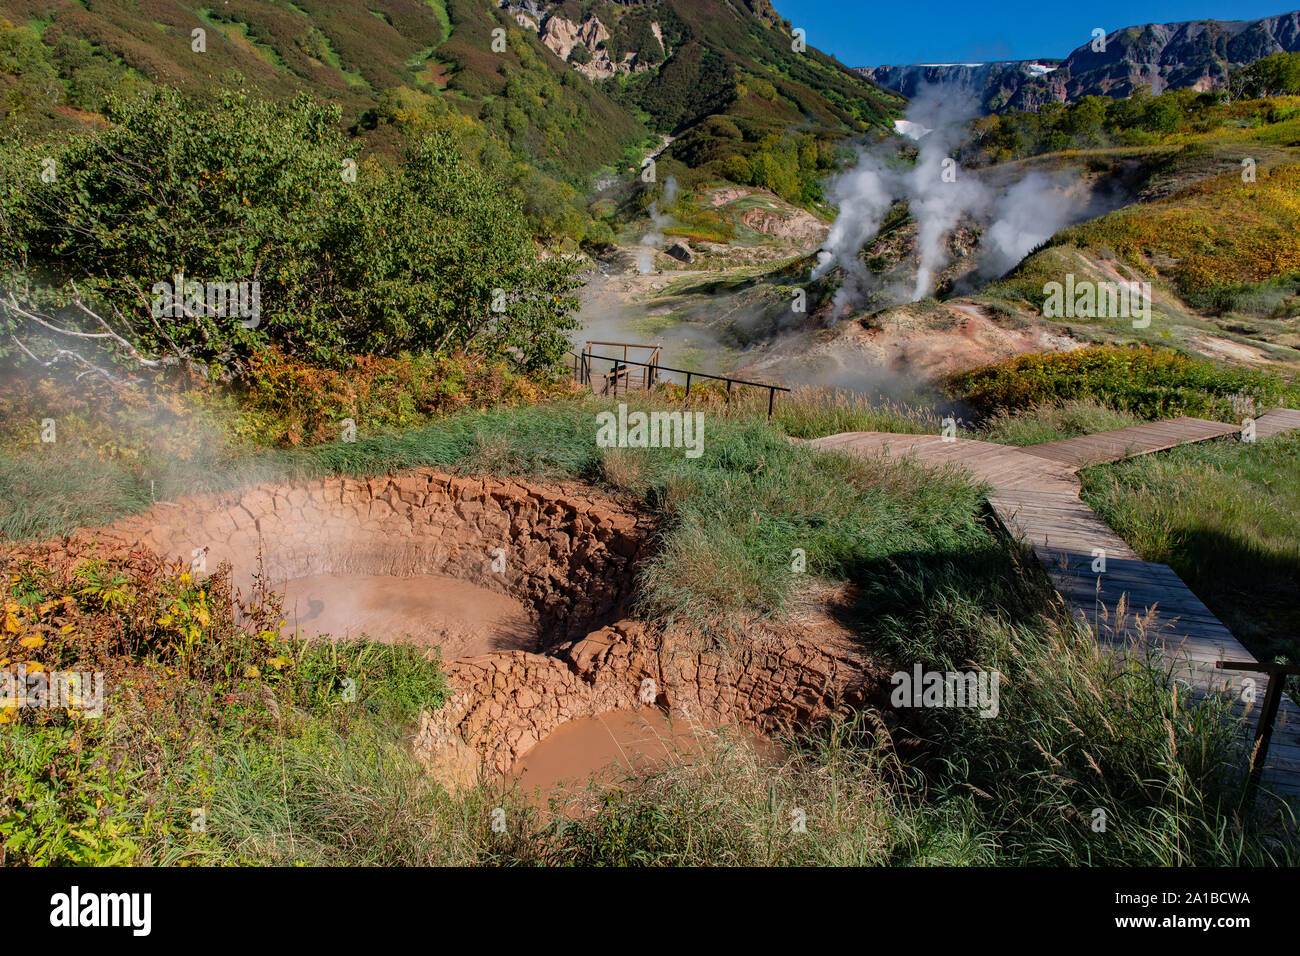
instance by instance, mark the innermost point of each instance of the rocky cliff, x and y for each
(1155, 57)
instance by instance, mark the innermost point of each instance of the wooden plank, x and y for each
(1276, 422)
(1035, 499)
(1135, 440)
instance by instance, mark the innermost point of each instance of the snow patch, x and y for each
(913, 131)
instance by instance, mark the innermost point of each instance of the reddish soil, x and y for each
(605, 746)
(431, 610)
(517, 584)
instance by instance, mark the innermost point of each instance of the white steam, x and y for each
(1027, 214)
(1017, 215)
(864, 195)
(654, 239)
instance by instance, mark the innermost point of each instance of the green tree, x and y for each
(1084, 120)
(380, 261)
(1271, 76)
(1163, 115)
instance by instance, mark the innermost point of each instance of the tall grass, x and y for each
(1077, 731)
(1046, 423)
(1152, 383)
(1225, 515)
(831, 800)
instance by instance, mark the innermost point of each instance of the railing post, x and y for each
(1264, 731)
(1277, 675)
(649, 372)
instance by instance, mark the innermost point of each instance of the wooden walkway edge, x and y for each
(1130, 605)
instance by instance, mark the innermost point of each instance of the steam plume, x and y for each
(1018, 214)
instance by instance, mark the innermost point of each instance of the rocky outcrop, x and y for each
(681, 252)
(793, 223)
(563, 35)
(1154, 57)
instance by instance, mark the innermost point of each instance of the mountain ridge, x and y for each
(1153, 56)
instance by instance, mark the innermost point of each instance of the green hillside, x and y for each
(1212, 224)
(728, 84)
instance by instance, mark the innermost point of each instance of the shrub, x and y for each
(431, 256)
(1153, 383)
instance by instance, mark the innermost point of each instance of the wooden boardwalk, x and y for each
(1277, 421)
(1127, 442)
(1133, 606)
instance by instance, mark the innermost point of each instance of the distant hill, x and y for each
(573, 87)
(998, 86)
(724, 79)
(1154, 57)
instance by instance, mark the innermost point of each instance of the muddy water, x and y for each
(431, 610)
(604, 747)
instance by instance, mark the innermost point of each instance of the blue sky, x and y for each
(970, 31)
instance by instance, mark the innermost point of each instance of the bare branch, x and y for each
(108, 332)
(13, 304)
(149, 363)
(90, 367)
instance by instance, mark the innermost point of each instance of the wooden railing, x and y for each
(627, 374)
(1277, 675)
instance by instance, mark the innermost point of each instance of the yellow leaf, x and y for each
(251, 671)
(32, 642)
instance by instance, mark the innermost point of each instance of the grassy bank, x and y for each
(1222, 514)
(1225, 515)
(287, 771)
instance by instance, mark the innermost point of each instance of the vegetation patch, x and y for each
(1225, 515)
(326, 781)
(1151, 383)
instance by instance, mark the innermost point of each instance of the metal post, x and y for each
(688, 384)
(771, 398)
